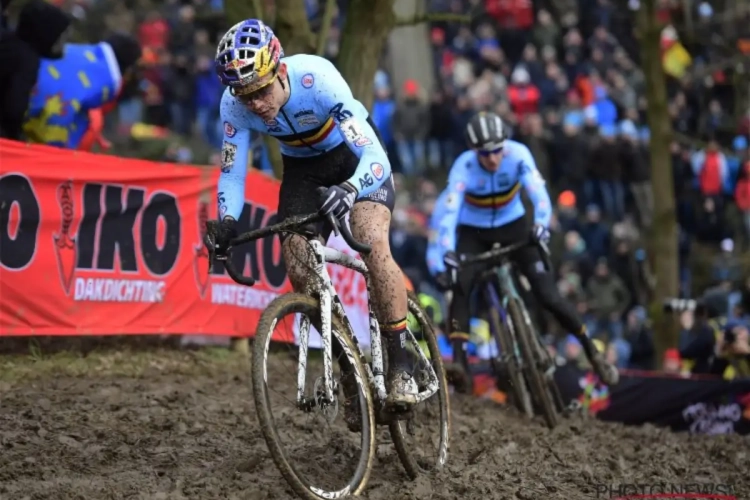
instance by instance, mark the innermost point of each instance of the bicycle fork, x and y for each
(325, 335)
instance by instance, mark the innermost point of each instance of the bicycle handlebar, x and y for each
(498, 253)
(293, 223)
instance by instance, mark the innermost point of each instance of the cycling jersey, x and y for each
(320, 115)
(478, 198)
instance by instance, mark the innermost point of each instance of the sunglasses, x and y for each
(257, 95)
(489, 152)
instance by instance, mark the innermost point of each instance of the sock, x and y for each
(458, 343)
(394, 335)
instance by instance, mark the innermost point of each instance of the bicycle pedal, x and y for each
(397, 411)
(400, 411)
(384, 417)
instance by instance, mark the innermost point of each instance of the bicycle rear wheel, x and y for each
(308, 485)
(436, 408)
(539, 388)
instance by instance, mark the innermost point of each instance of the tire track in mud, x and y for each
(170, 436)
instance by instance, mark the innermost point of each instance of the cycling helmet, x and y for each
(486, 131)
(247, 54)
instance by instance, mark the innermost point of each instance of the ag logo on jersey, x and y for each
(377, 170)
(308, 81)
(365, 181)
(229, 130)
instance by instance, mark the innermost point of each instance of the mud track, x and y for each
(184, 426)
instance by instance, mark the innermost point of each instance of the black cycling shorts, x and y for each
(303, 176)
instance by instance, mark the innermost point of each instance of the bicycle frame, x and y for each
(509, 290)
(331, 304)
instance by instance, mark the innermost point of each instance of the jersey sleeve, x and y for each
(351, 117)
(447, 215)
(535, 187)
(434, 255)
(234, 156)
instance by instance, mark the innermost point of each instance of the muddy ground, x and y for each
(181, 424)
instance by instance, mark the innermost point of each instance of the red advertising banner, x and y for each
(98, 245)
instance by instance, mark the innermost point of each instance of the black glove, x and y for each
(448, 278)
(218, 235)
(444, 281)
(337, 200)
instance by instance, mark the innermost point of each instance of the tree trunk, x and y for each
(663, 237)
(292, 27)
(239, 10)
(325, 27)
(368, 23)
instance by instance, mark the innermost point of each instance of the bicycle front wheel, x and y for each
(422, 441)
(506, 365)
(324, 470)
(539, 388)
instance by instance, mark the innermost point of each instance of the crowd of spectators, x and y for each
(570, 86)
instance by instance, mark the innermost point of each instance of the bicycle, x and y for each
(322, 308)
(521, 358)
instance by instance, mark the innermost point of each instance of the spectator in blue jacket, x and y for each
(734, 162)
(595, 233)
(605, 109)
(208, 92)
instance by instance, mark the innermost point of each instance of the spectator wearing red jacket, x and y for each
(742, 196)
(515, 18)
(153, 33)
(711, 170)
(522, 94)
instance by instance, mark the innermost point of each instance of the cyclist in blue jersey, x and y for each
(329, 145)
(483, 206)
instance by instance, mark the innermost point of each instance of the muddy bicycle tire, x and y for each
(414, 469)
(505, 344)
(281, 306)
(539, 388)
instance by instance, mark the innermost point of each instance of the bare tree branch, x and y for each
(432, 18)
(325, 27)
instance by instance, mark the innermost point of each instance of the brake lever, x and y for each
(334, 222)
(211, 254)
